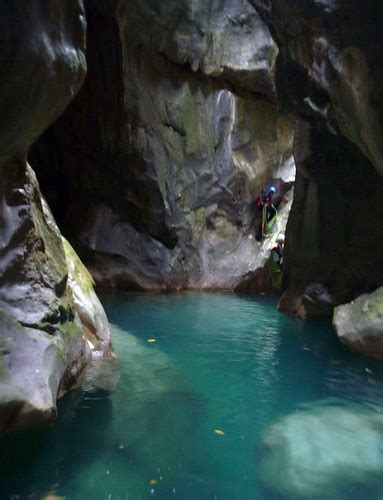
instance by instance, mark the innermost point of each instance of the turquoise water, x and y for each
(298, 415)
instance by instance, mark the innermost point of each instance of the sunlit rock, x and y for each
(34, 367)
(264, 275)
(86, 303)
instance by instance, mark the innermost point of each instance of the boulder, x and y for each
(44, 346)
(323, 450)
(314, 300)
(359, 324)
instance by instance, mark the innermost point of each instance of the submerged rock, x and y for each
(322, 451)
(162, 411)
(359, 324)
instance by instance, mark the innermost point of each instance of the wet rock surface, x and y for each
(168, 144)
(359, 324)
(43, 349)
(42, 344)
(328, 72)
(93, 319)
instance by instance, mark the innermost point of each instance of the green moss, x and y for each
(70, 329)
(174, 143)
(77, 269)
(275, 272)
(3, 367)
(190, 218)
(46, 229)
(200, 216)
(191, 121)
(60, 346)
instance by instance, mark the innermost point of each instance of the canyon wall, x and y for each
(153, 170)
(328, 74)
(42, 345)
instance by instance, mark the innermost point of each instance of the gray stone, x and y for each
(359, 324)
(329, 73)
(42, 345)
(35, 366)
(169, 164)
(42, 67)
(323, 450)
(95, 327)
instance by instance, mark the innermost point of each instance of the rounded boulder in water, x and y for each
(322, 450)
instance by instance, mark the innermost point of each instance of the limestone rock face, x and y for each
(93, 319)
(225, 40)
(359, 324)
(266, 277)
(168, 144)
(49, 325)
(34, 367)
(329, 73)
(42, 345)
(42, 67)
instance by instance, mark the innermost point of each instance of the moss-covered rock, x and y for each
(35, 367)
(43, 349)
(359, 324)
(95, 327)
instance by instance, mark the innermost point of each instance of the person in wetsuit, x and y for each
(264, 200)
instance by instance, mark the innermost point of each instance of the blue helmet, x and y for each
(272, 189)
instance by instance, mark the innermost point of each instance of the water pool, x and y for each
(219, 396)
